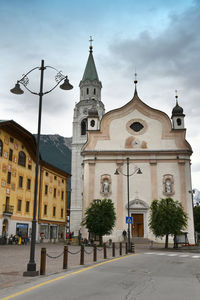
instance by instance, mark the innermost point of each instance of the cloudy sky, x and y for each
(159, 39)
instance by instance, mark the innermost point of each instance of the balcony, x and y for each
(8, 209)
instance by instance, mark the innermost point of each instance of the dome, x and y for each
(177, 110)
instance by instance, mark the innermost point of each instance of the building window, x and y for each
(87, 91)
(10, 154)
(83, 126)
(47, 174)
(11, 140)
(62, 195)
(45, 209)
(61, 213)
(94, 91)
(92, 123)
(55, 177)
(54, 211)
(46, 189)
(54, 193)
(28, 184)
(1, 148)
(62, 180)
(178, 122)
(29, 167)
(22, 159)
(20, 181)
(27, 206)
(136, 126)
(19, 205)
(9, 178)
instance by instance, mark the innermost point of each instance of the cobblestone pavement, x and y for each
(14, 259)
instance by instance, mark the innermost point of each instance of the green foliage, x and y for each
(167, 217)
(197, 218)
(100, 217)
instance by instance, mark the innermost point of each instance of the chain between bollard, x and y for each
(88, 252)
(54, 257)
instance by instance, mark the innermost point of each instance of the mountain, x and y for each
(56, 150)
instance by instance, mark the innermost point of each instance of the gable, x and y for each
(136, 126)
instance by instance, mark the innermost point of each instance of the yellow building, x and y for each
(17, 179)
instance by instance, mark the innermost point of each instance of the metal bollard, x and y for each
(120, 248)
(82, 255)
(65, 257)
(104, 251)
(126, 248)
(95, 252)
(132, 248)
(43, 261)
(113, 249)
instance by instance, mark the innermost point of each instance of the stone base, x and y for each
(31, 273)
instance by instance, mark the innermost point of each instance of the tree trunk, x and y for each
(166, 241)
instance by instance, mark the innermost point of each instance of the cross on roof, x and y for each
(91, 40)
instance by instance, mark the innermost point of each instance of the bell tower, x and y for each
(90, 100)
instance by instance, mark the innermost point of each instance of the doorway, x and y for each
(5, 227)
(138, 225)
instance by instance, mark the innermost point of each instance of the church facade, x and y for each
(131, 138)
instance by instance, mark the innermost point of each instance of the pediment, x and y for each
(138, 204)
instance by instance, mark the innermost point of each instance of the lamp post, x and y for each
(136, 171)
(192, 192)
(31, 266)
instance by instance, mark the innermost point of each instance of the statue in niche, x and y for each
(106, 187)
(168, 186)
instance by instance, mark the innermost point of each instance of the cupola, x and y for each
(177, 115)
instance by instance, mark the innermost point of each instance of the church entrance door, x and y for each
(138, 225)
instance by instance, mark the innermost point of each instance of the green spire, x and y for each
(90, 72)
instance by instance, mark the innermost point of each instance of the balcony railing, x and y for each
(8, 209)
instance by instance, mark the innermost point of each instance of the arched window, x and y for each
(178, 122)
(83, 126)
(94, 91)
(1, 148)
(22, 159)
(87, 91)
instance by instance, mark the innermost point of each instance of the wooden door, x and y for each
(138, 225)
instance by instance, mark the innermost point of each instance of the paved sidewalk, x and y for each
(14, 259)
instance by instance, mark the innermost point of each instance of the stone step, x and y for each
(140, 240)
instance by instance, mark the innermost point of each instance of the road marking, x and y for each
(63, 276)
(171, 255)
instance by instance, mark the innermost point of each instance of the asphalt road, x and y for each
(144, 276)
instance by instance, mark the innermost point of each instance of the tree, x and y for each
(167, 217)
(100, 217)
(197, 218)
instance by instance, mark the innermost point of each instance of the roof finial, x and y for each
(91, 40)
(135, 82)
(176, 96)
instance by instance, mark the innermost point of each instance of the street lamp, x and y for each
(31, 266)
(192, 192)
(136, 171)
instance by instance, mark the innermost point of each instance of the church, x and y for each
(131, 155)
